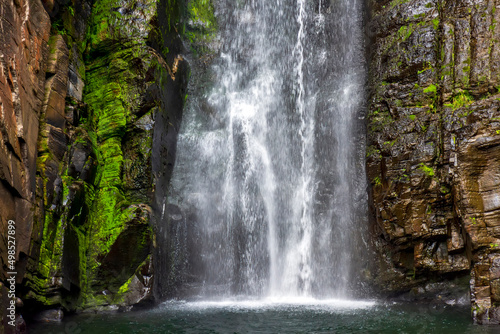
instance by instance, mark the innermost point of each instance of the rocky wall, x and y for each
(82, 84)
(432, 156)
(24, 34)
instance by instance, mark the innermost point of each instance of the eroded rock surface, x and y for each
(434, 144)
(24, 34)
(82, 84)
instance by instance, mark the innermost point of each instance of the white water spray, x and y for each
(270, 166)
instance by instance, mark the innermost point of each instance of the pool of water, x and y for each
(275, 316)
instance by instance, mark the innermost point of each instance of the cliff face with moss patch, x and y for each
(434, 143)
(85, 86)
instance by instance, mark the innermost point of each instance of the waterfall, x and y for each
(269, 188)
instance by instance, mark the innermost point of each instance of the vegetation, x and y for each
(429, 171)
(462, 99)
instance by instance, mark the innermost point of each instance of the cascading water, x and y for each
(269, 187)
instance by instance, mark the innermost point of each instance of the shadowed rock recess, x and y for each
(433, 158)
(91, 99)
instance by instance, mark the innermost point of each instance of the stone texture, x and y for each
(24, 34)
(78, 106)
(54, 315)
(94, 239)
(434, 136)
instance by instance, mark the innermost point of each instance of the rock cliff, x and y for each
(434, 142)
(85, 86)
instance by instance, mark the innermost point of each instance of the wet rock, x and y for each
(54, 315)
(24, 33)
(129, 250)
(57, 142)
(56, 85)
(434, 144)
(138, 292)
(20, 325)
(76, 84)
(82, 163)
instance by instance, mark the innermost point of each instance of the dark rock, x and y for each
(76, 84)
(433, 145)
(128, 252)
(57, 142)
(56, 85)
(138, 292)
(78, 160)
(20, 325)
(72, 115)
(54, 315)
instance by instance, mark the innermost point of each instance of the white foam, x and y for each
(273, 303)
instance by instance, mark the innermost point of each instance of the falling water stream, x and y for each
(269, 178)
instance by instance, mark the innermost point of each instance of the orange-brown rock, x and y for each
(24, 34)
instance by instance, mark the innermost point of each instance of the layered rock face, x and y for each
(24, 34)
(434, 143)
(84, 88)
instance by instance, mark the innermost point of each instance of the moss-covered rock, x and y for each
(118, 60)
(110, 73)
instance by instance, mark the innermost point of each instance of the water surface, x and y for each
(276, 316)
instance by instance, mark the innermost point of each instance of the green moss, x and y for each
(429, 171)
(379, 120)
(125, 287)
(431, 89)
(395, 3)
(117, 62)
(102, 14)
(427, 67)
(106, 223)
(53, 224)
(405, 32)
(203, 11)
(435, 23)
(108, 24)
(390, 143)
(372, 151)
(462, 99)
(202, 28)
(445, 190)
(50, 260)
